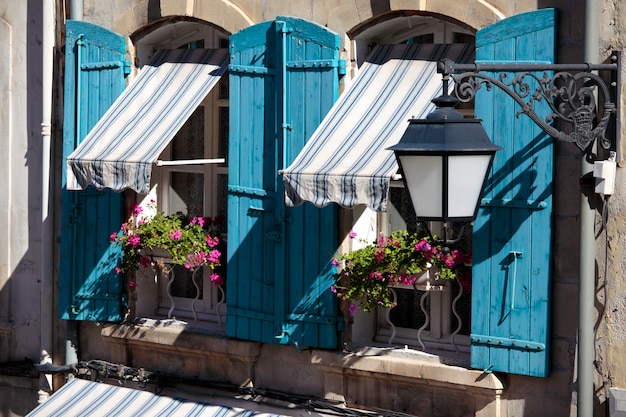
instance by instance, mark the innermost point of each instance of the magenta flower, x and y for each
(117, 270)
(334, 262)
(376, 275)
(113, 237)
(195, 259)
(132, 284)
(217, 279)
(175, 234)
(137, 210)
(212, 241)
(423, 246)
(352, 235)
(199, 220)
(214, 256)
(333, 288)
(134, 241)
(352, 308)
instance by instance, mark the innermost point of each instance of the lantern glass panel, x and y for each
(466, 174)
(424, 179)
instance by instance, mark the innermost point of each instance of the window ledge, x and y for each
(181, 335)
(407, 363)
(338, 370)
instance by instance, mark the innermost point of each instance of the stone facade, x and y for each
(406, 382)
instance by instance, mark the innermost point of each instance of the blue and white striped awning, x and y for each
(120, 150)
(79, 398)
(346, 160)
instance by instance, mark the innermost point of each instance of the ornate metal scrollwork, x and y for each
(571, 96)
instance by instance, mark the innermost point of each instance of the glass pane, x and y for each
(189, 141)
(401, 215)
(222, 88)
(186, 194)
(223, 134)
(408, 312)
(222, 200)
(183, 285)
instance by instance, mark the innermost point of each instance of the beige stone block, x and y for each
(229, 16)
(175, 8)
(446, 403)
(294, 372)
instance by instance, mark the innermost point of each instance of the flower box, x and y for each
(401, 260)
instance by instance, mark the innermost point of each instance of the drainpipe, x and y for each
(76, 9)
(586, 341)
(47, 239)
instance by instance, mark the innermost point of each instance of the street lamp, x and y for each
(445, 160)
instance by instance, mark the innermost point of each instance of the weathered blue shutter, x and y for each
(512, 234)
(283, 80)
(89, 288)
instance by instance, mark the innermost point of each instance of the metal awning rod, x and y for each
(161, 163)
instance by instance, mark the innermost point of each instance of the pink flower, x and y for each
(175, 234)
(113, 237)
(132, 284)
(379, 254)
(137, 210)
(333, 288)
(214, 256)
(134, 241)
(195, 259)
(352, 235)
(199, 220)
(334, 262)
(118, 270)
(217, 279)
(376, 275)
(352, 308)
(422, 246)
(212, 241)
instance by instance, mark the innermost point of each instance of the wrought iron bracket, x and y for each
(584, 98)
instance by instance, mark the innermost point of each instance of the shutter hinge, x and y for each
(504, 342)
(517, 204)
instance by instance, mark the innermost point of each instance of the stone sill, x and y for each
(398, 364)
(407, 364)
(182, 336)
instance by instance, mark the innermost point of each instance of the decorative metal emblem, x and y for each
(577, 96)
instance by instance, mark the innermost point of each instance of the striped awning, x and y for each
(86, 398)
(346, 161)
(120, 150)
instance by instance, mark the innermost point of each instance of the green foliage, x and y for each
(391, 260)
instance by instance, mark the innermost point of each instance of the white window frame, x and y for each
(211, 307)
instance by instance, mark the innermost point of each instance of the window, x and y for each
(439, 315)
(192, 187)
(196, 190)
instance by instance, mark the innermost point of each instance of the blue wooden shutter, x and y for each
(512, 234)
(89, 288)
(283, 80)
